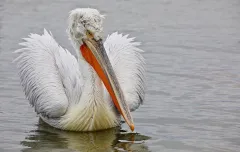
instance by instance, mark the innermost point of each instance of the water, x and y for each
(193, 81)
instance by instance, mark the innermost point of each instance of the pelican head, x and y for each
(85, 30)
(85, 22)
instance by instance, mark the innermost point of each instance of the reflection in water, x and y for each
(47, 138)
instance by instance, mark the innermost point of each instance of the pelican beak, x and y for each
(94, 53)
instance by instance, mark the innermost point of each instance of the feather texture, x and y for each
(49, 74)
(54, 85)
(128, 64)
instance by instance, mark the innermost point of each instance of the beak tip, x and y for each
(132, 127)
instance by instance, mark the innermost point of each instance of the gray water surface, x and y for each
(192, 51)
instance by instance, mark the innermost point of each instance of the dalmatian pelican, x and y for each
(87, 93)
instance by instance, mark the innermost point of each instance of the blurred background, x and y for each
(192, 52)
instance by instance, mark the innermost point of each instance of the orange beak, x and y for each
(95, 54)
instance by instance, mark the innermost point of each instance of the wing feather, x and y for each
(128, 64)
(49, 74)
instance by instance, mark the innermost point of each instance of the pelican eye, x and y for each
(89, 34)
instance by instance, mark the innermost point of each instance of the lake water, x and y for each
(192, 50)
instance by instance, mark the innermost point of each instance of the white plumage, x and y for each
(67, 93)
(128, 64)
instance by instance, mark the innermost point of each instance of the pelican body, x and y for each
(89, 93)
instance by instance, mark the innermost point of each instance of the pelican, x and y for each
(89, 93)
